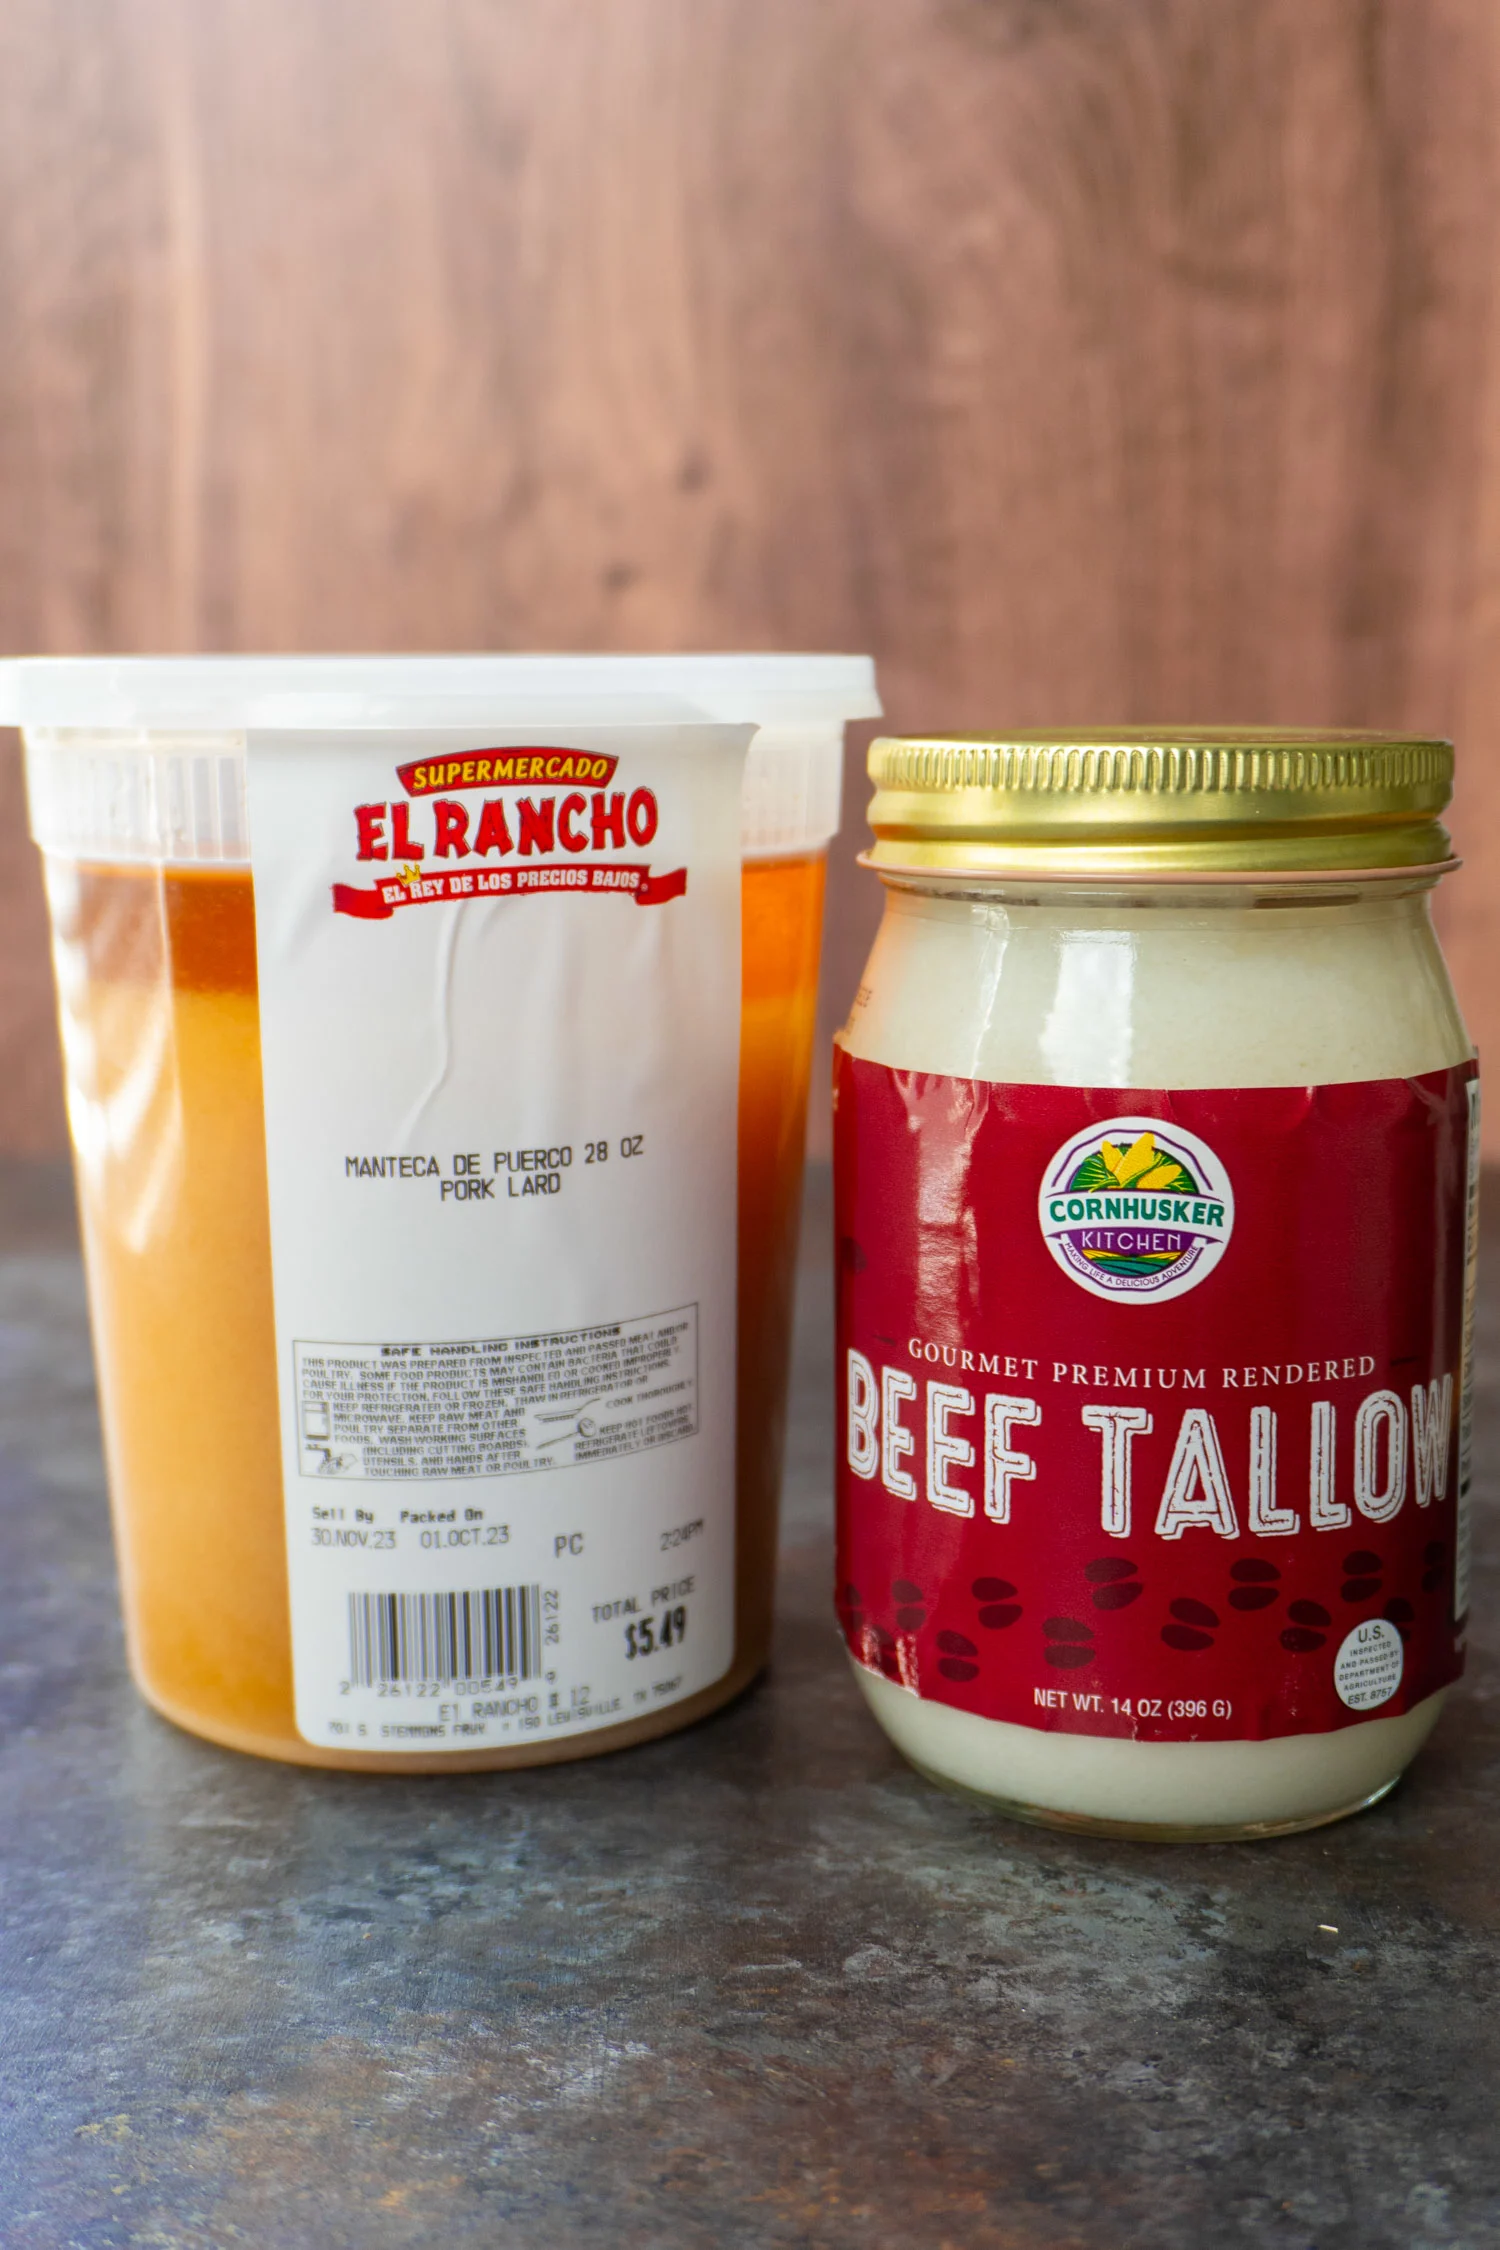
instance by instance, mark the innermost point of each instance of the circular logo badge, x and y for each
(1136, 1210)
(1367, 1670)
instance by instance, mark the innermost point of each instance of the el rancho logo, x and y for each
(569, 831)
(1136, 1210)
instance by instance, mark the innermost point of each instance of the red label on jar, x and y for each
(1150, 1404)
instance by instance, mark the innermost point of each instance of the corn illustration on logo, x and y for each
(1141, 1165)
(1137, 1210)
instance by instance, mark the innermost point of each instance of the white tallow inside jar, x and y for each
(1229, 986)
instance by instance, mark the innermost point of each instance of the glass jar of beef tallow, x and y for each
(437, 1035)
(1156, 1154)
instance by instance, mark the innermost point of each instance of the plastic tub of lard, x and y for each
(437, 1034)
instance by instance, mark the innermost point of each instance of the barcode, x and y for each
(495, 1632)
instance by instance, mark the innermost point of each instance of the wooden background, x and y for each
(1083, 359)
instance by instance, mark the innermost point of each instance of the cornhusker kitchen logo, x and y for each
(565, 828)
(1136, 1210)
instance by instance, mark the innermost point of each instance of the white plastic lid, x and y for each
(197, 694)
(142, 758)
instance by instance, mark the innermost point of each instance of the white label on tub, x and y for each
(500, 1021)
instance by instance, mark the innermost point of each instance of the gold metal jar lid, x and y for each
(1215, 803)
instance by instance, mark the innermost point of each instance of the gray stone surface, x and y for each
(757, 1984)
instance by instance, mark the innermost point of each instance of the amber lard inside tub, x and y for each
(1157, 1149)
(437, 1037)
